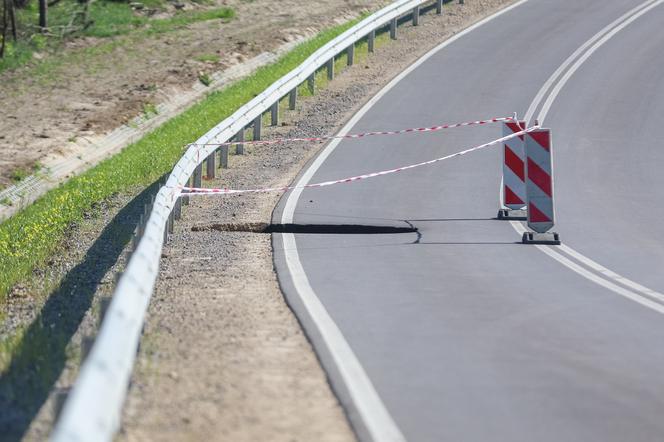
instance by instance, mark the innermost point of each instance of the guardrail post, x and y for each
(371, 39)
(210, 166)
(393, 29)
(274, 114)
(258, 123)
(311, 83)
(416, 15)
(350, 54)
(177, 209)
(198, 176)
(439, 7)
(223, 157)
(461, 2)
(292, 99)
(239, 147)
(185, 199)
(138, 232)
(330, 69)
(171, 222)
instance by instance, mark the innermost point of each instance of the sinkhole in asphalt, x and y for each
(331, 229)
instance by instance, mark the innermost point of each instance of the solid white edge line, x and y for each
(372, 411)
(599, 40)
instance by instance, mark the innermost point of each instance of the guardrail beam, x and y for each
(105, 373)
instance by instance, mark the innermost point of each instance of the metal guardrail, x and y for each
(94, 407)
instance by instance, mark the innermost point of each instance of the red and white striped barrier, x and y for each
(360, 135)
(187, 191)
(514, 172)
(539, 187)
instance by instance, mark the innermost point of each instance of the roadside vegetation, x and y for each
(27, 36)
(30, 236)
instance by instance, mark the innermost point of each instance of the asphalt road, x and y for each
(466, 334)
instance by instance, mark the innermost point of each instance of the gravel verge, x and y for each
(222, 356)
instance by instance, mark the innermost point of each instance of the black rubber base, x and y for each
(512, 215)
(548, 238)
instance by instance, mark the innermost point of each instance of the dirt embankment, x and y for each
(91, 93)
(222, 357)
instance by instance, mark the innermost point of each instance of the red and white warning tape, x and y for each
(361, 135)
(209, 191)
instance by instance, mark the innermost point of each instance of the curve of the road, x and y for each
(459, 332)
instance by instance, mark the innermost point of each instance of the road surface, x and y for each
(463, 333)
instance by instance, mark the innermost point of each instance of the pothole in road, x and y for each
(332, 229)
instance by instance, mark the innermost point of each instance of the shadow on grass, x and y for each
(40, 357)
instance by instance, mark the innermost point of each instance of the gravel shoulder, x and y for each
(222, 356)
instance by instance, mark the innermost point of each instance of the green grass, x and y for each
(208, 58)
(110, 19)
(113, 19)
(29, 237)
(205, 78)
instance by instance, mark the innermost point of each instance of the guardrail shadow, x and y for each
(40, 357)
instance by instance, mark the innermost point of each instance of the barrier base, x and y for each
(549, 238)
(512, 215)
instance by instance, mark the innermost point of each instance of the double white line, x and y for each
(566, 255)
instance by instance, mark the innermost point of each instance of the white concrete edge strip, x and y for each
(606, 278)
(371, 410)
(547, 85)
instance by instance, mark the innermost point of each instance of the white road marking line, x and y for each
(547, 85)
(371, 410)
(591, 276)
(611, 274)
(605, 275)
(556, 90)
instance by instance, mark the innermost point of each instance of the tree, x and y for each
(43, 12)
(8, 20)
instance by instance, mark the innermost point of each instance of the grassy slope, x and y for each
(27, 239)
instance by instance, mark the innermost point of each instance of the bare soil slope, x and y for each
(88, 93)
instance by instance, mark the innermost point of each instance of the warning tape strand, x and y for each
(359, 135)
(187, 191)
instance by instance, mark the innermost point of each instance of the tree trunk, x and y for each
(43, 12)
(5, 25)
(10, 5)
